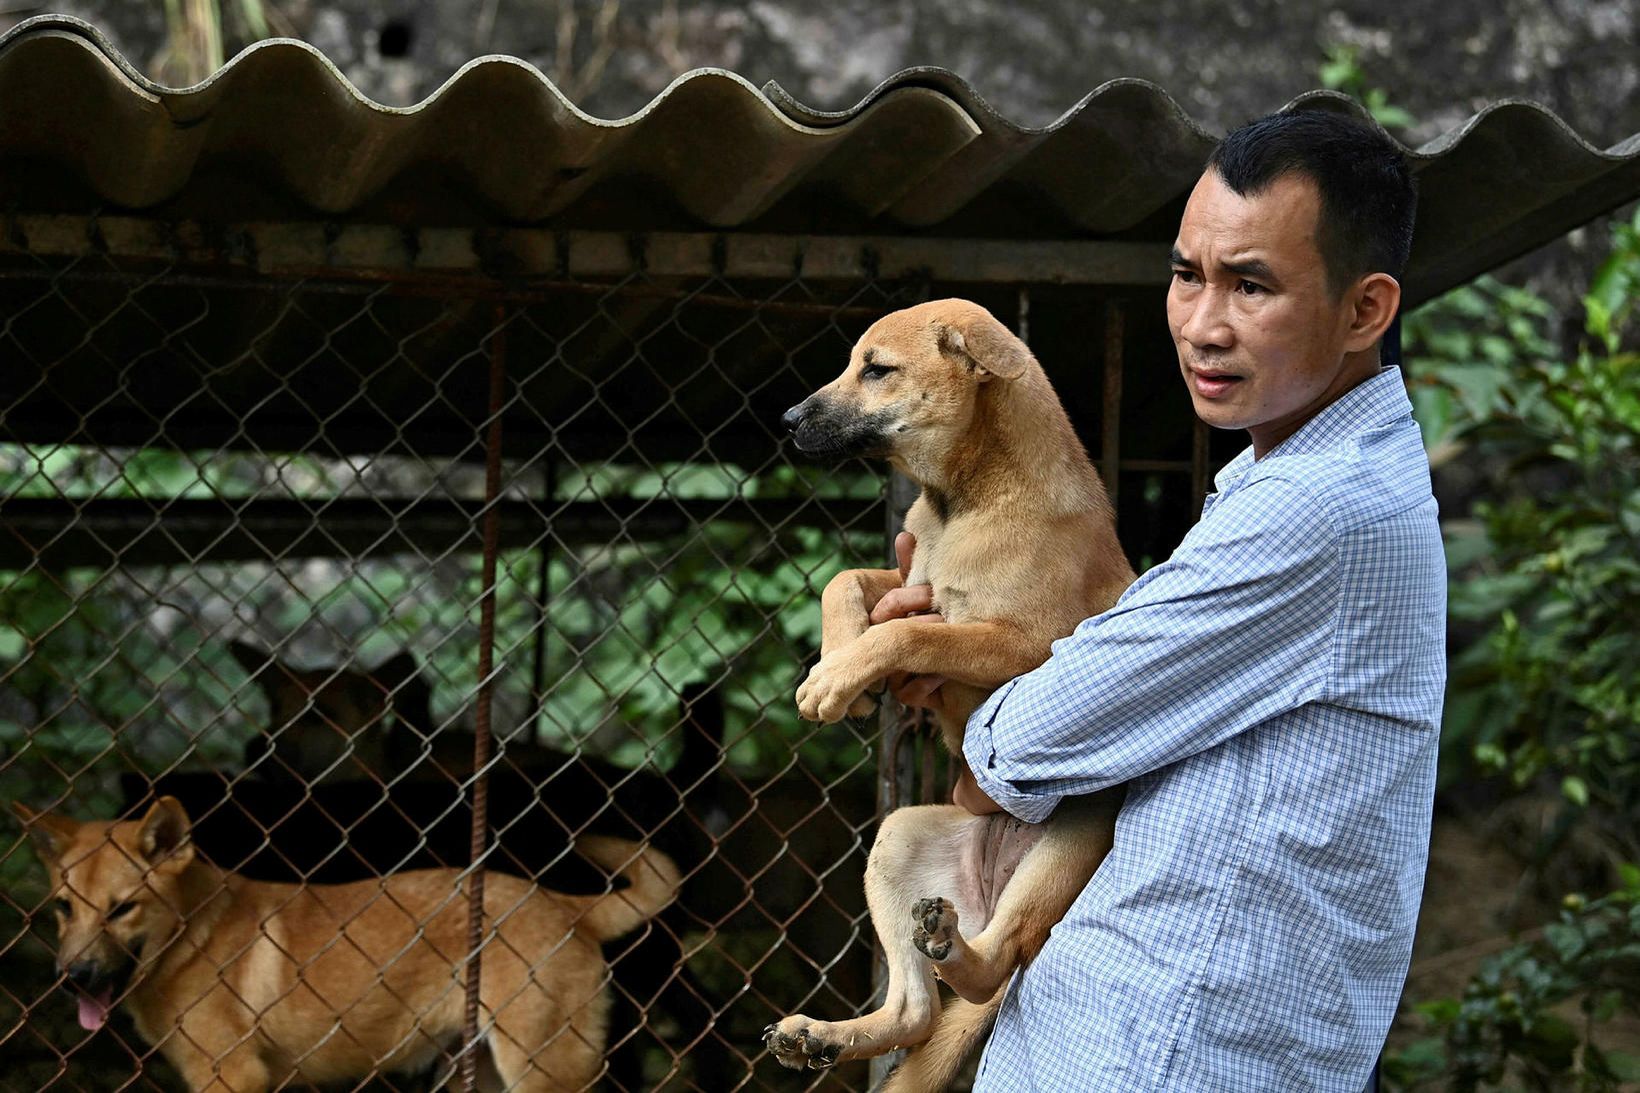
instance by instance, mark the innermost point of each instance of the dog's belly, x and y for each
(993, 847)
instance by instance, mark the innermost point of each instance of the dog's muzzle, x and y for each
(817, 428)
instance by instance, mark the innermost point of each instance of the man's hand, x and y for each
(916, 603)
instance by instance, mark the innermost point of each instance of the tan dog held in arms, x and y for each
(1016, 536)
(243, 985)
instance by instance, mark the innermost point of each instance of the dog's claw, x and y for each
(798, 1048)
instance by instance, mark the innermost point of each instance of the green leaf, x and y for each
(1575, 790)
(1624, 1066)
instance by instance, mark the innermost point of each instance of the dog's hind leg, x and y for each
(238, 1069)
(535, 1051)
(1047, 881)
(918, 849)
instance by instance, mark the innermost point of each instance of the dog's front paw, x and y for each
(829, 694)
(798, 1043)
(936, 921)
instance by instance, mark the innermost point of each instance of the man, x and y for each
(1270, 694)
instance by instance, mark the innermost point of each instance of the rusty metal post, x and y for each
(897, 739)
(481, 716)
(1200, 469)
(1110, 424)
(543, 593)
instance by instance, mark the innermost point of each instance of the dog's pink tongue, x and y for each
(94, 1011)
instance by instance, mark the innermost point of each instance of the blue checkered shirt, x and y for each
(1271, 695)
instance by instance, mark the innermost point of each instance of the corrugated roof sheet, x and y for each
(922, 153)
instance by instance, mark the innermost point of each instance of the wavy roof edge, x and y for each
(923, 151)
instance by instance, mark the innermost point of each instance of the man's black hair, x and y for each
(1367, 194)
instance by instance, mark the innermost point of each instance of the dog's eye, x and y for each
(123, 909)
(63, 907)
(876, 371)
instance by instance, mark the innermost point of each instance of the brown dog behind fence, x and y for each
(782, 838)
(248, 984)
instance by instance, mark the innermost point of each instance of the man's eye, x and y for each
(1184, 276)
(1249, 288)
(123, 909)
(876, 371)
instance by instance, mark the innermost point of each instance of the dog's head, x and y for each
(316, 716)
(911, 386)
(114, 887)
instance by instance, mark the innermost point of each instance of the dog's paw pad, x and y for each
(862, 706)
(936, 921)
(797, 1044)
(822, 1053)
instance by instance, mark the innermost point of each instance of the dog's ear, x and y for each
(267, 671)
(163, 840)
(249, 657)
(409, 693)
(991, 348)
(51, 834)
(396, 671)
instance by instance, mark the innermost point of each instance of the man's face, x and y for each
(1260, 335)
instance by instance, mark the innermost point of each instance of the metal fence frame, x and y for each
(509, 271)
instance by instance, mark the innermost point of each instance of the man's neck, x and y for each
(1358, 369)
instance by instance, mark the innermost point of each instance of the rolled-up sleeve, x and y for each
(1233, 629)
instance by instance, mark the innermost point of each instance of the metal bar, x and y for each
(40, 419)
(897, 740)
(59, 533)
(481, 715)
(301, 248)
(1199, 468)
(1110, 424)
(543, 591)
(342, 282)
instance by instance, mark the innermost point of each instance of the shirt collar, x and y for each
(1368, 405)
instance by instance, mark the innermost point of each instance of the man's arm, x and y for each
(1235, 628)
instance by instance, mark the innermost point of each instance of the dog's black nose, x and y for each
(793, 419)
(83, 973)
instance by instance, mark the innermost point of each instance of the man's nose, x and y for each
(1207, 325)
(793, 419)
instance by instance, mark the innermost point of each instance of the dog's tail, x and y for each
(933, 1066)
(652, 882)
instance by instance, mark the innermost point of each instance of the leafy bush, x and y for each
(1512, 1014)
(1548, 576)
(1545, 605)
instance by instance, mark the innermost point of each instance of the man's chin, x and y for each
(1217, 413)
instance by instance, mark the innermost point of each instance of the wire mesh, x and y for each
(241, 565)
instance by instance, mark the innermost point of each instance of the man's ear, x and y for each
(51, 834)
(1376, 298)
(991, 348)
(163, 839)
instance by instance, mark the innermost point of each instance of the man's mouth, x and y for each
(1212, 384)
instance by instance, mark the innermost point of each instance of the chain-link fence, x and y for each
(376, 571)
